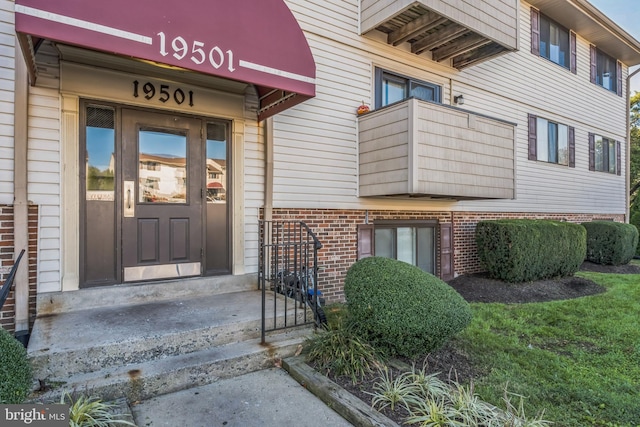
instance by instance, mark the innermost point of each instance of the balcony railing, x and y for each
(422, 149)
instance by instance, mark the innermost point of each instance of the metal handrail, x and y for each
(6, 287)
(316, 241)
(288, 274)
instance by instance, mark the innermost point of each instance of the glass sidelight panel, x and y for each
(217, 182)
(100, 159)
(99, 207)
(162, 171)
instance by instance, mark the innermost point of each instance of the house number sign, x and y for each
(196, 51)
(163, 93)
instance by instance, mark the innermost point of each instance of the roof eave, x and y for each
(590, 23)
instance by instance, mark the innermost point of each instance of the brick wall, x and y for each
(7, 255)
(337, 230)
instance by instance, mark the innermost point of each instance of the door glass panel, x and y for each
(162, 170)
(99, 208)
(216, 162)
(100, 160)
(217, 179)
(393, 90)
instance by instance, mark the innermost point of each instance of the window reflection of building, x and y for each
(162, 178)
(100, 137)
(216, 179)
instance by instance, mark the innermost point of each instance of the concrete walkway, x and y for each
(266, 398)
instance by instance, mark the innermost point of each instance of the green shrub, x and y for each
(610, 242)
(400, 309)
(522, 250)
(635, 220)
(340, 352)
(91, 411)
(15, 370)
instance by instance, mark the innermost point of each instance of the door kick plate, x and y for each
(161, 271)
(129, 203)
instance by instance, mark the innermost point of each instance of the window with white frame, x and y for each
(391, 88)
(551, 142)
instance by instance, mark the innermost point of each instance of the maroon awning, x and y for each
(253, 41)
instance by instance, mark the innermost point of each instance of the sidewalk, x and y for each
(266, 398)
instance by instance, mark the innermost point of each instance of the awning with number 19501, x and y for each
(253, 41)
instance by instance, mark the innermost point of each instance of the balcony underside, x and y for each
(449, 34)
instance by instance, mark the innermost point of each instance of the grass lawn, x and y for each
(578, 360)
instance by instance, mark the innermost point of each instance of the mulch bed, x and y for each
(454, 364)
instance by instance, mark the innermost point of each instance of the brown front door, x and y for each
(162, 195)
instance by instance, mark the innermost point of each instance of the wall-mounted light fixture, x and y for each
(459, 100)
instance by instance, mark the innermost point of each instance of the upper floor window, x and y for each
(392, 88)
(606, 71)
(551, 142)
(552, 41)
(604, 154)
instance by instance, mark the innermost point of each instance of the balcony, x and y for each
(461, 31)
(417, 148)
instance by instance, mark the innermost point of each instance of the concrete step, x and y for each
(142, 293)
(84, 341)
(139, 381)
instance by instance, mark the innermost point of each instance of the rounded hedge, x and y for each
(611, 243)
(15, 370)
(522, 250)
(635, 221)
(400, 309)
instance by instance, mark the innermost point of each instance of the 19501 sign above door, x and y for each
(162, 92)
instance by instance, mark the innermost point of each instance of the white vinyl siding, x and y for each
(253, 183)
(316, 143)
(44, 181)
(7, 75)
(315, 162)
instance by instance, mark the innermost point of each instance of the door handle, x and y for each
(129, 205)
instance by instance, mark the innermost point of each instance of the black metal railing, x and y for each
(6, 287)
(288, 276)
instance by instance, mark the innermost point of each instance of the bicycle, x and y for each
(301, 287)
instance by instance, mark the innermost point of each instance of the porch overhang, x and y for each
(259, 43)
(586, 20)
